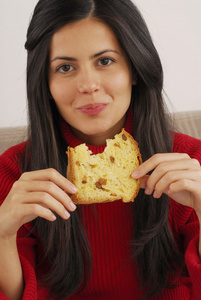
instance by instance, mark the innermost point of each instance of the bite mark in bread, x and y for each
(105, 176)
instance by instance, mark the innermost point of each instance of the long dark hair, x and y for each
(64, 242)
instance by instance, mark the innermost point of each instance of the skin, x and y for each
(87, 67)
(34, 195)
(175, 174)
(99, 73)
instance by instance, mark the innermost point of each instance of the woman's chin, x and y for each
(95, 136)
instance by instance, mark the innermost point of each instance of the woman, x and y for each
(92, 69)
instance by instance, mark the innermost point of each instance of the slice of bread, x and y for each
(106, 176)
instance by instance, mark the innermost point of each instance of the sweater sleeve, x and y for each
(187, 221)
(26, 242)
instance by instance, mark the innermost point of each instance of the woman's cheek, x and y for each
(121, 81)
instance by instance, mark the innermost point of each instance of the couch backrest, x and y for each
(188, 123)
(12, 136)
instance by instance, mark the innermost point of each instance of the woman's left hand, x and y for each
(175, 174)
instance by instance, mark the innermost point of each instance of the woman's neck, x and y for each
(74, 140)
(99, 138)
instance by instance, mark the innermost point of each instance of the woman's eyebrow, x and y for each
(91, 57)
(63, 58)
(103, 52)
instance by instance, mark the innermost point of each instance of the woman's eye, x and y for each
(65, 69)
(105, 61)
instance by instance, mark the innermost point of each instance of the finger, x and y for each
(15, 217)
(186, 185)
(171, 177)
(164, 173)
(48, 187)
(46, 200)
(31, 211)
(50, 175)
(42, 199)
(187, 192)
(156, 160)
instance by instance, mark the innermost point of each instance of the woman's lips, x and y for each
(92, 109)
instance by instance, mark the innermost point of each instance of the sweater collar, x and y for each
(72, 141)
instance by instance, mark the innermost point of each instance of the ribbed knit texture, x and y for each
(109, 231)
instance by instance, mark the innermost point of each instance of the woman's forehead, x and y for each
(90, 35)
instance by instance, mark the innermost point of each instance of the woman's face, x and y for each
(90, 79)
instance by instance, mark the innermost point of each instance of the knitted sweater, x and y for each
(113, 274)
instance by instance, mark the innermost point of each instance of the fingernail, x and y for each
(73, 188)
(73, 206)
(53, 217)
(170, 193)
(66, 214)
(135, 174)
(147, 192)
(155, 194)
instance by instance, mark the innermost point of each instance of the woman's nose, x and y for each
(88, 81)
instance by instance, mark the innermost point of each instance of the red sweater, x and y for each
(113, 274)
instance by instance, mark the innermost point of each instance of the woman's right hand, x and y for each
(36, 194)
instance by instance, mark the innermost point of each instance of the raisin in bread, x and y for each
(105, 176)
